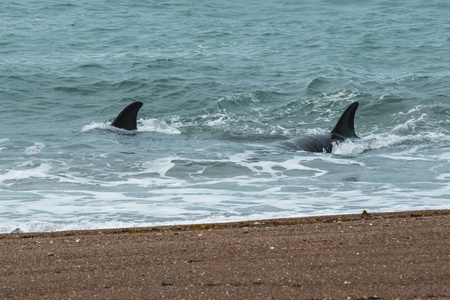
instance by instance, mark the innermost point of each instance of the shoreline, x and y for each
(237, 224)
(397, 255)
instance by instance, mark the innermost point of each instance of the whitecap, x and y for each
(2, 141)
(144, 125)
(39, 172)
(160, 166)
(35, 149)
(157, 125)
(443, 176)
(273, 168)
(95, 125)
(221, 119)
(350, 147)
(411, 124)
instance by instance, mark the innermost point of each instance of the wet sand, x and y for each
(366, 256)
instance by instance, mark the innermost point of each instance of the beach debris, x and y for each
(166, 284)
(17, 231)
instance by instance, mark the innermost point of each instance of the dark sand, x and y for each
(377, 256)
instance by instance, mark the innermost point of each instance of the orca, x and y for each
(344, 129)
(127, 117)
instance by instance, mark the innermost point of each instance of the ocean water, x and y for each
(222, 82)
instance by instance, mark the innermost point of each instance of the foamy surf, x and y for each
(215, 108)
(144, 125)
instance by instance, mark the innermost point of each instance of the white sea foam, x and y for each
(41, 171)
(220, 119)
(386, 140)
(35, 149)
(258, 184)
(158, 125)
(143, 125)
(418, 108)
(411, 124)
(198, 205)
(160, 166)
(187, 204)
(341, 95)
(408, 155)
(443, 176)
(2, 141)
(349, 147)
(273, 168)
(95, 125)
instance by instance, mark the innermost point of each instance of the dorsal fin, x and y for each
(127, 117)
(345, 127)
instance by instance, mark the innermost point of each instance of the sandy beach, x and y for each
(402, 255)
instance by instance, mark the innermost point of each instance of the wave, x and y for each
(32, 172)
(389, 140)
(144, 125)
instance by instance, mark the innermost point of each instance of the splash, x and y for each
(35, 149)
(144, 125)
(95, 125)
(158, 125)
(41, 171)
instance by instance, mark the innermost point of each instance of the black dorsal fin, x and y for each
(127, 117)
(345, 127)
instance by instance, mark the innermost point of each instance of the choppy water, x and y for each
(221, 83)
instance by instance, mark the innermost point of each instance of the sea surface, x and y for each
(222, 83)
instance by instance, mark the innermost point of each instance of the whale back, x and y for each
(344, 129)
(309, 143)
(127, 117)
